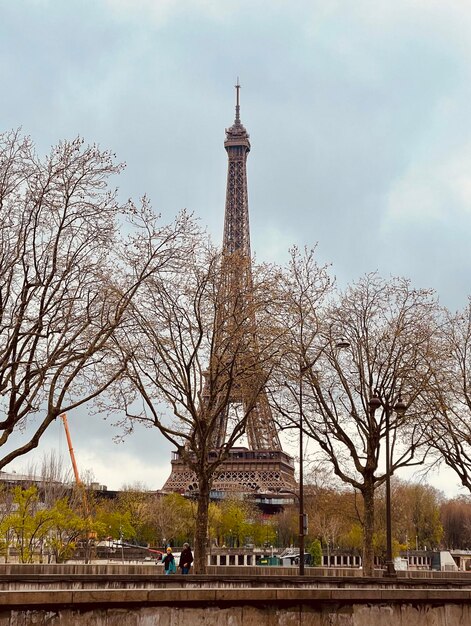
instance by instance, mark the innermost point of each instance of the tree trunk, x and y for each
(368, 527)
(201, 526)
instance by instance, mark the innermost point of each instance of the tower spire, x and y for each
(236, 135)
(237, 116)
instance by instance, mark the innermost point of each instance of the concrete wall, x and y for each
(232, 607)
(241, 616)
(139, 596)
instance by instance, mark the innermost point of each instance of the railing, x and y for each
(241, 454)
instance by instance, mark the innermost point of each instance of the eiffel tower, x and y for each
(263, 467)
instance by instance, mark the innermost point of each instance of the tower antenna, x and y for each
(237, 86)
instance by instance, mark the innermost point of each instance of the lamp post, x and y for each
(302, 515)
(302, 530)
(400, 409)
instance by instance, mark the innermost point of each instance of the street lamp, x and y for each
(302, 515)
(400, 409)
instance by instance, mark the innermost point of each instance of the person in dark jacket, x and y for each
(169, 562)
(186, 559)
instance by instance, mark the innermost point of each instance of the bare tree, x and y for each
(455, 516)
(53, 480)
(193, 349)
(449, 424)
(377, 340)
(67, 278)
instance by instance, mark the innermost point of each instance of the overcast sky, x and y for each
(358, 113)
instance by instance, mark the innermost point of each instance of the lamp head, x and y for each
(374, 402)
(400, 407)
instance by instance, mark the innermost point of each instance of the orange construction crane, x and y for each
(74, 463)
(90, 535)
(71, 450)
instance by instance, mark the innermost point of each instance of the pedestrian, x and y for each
(169, 562)
(186, 559)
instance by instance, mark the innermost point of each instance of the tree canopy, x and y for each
(72, 259)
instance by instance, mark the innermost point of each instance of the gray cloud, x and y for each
(358, 115)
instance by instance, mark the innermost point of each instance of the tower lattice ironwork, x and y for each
(237, 280)
(261, 467)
